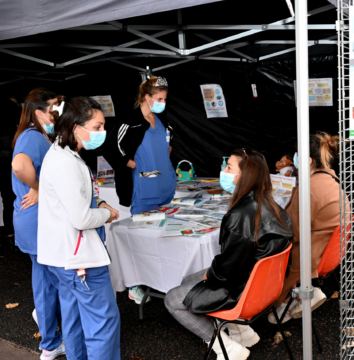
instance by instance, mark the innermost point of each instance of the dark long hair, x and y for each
(255, 177)
(37, 99)
(77, 111)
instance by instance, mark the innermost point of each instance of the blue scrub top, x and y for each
(153, 154)
(35, 145)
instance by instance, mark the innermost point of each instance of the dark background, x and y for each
(267, 123)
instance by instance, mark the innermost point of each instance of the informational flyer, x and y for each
(351, 69)
(282, 185)
(214, 101)
(320, 92)
(104, 170)
(106, 104)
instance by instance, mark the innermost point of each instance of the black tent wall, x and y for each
(266, 124)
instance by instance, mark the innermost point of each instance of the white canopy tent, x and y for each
(23, 18)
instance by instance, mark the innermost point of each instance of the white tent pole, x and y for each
(305, 291)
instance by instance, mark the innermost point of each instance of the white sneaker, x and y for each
(34, 315)
(280, 309)
(234, 350)
(318, 299)
(51, 355)
(243, 334)
(137, 294)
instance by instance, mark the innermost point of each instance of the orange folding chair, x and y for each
(260, 295)
(331, 257)
(330, 261)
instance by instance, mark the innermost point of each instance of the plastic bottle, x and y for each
(224, 164)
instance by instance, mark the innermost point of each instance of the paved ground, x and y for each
(10, 351)
(159, 336)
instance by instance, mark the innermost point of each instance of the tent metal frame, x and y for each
(346, 156)
(305, 291)
(182, 53)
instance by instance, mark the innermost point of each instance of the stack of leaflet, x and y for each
(185, 216)
(186, 201)
(191, 214)
(151, 220)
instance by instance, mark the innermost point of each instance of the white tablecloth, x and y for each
(108, 193)
(139, 257)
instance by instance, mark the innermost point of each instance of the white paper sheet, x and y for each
(104, 170)
(106, 104)
(214, 100)
(320, 92)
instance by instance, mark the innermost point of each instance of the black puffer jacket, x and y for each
(229, 271)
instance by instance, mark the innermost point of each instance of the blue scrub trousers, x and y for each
(90, 318)
(46, 301)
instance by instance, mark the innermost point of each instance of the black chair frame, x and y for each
(319, 345)
(217, 329)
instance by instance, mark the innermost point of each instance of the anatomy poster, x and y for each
(214, 101)
(320, 92)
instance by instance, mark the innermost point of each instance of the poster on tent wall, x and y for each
(351, 69)
(320, 92)
(106, 104)
(214, 101)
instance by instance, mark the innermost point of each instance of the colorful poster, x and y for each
(351, 70)
(214, 101)
(320, 92)
(104, 170)
(106, 104)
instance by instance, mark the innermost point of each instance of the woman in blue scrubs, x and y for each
(31, 144)
(153, 154)
(139, 145)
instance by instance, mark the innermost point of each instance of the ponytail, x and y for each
(324, 148)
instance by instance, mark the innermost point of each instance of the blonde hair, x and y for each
(148, 87)
(324, 148)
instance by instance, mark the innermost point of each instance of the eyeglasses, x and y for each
(244, 150)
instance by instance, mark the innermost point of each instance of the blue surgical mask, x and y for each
(295, 161)
(227, 181)
(97, 138)
(158, 107)
(49, 129)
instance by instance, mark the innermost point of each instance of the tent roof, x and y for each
(217, 31)
(23, 18)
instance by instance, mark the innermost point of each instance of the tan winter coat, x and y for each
(324, 219)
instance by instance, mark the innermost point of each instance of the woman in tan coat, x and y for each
(324, 186)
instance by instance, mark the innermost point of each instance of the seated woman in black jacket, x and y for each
(255, 227)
